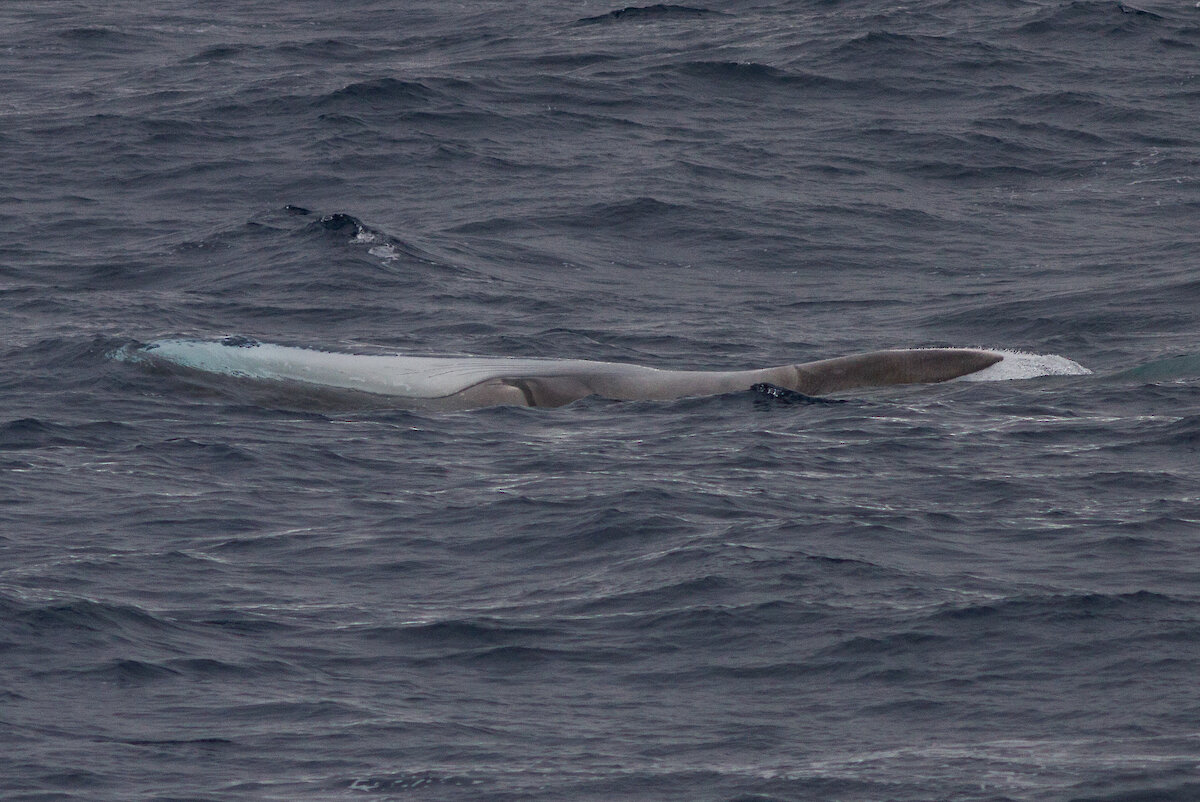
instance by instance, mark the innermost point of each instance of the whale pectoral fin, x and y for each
(882, 368)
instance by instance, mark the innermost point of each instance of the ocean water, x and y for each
(216, 589)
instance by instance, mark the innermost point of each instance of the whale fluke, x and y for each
(471, 382)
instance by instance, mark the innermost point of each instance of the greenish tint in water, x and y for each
(1184, 366)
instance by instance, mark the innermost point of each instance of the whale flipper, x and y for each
(882, 368)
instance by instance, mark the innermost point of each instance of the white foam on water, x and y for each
(1022, 365)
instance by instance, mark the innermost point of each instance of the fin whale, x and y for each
(453, 383)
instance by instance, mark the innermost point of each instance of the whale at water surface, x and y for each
(452, 383)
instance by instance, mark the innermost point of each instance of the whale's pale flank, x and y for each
(471, 382)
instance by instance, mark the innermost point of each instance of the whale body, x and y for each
(452, 383)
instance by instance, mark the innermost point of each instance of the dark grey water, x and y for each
(964, 591)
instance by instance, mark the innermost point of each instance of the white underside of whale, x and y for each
(407, 376)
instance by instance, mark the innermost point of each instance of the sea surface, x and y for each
(232, 590)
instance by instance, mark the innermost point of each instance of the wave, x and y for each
(80, 618)
(345, 227)
(658, 11)
(1173, 368)
(35, 433)
(1103, 17)
(389, 93)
